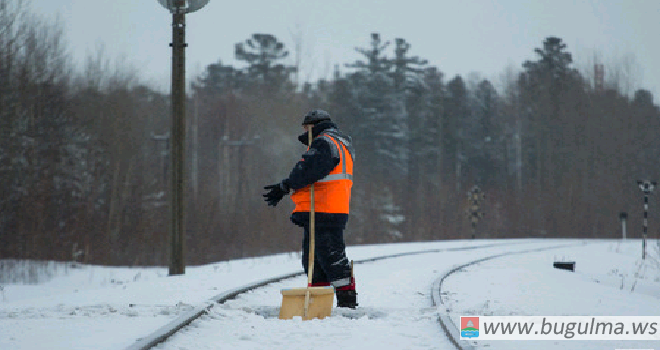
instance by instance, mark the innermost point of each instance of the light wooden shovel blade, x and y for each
(308, 303)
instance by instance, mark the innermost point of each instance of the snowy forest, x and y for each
(84, 151)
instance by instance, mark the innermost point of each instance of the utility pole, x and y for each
(177, 238)
(239, 146)
(195, 160)
(178, 8)
(234, 173)
(647, 187)
(165, 153)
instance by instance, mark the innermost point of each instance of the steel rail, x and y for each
(166, 331)
(446, 323)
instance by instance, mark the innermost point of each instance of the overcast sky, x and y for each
(457, 36)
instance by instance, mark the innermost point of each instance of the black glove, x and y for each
(276, 192)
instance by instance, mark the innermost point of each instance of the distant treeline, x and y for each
(84, 151)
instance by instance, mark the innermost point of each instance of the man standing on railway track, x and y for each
(328, 164)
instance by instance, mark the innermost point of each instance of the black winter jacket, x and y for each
(316, 163)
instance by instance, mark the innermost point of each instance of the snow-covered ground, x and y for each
(609, 280)
(93, 307)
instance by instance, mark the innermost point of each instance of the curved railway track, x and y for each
(446, 324)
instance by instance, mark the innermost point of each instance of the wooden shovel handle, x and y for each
(310, 264)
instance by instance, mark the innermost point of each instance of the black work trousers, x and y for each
(330, 261)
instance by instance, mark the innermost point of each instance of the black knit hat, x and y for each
(316, 116)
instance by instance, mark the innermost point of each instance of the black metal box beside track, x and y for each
(564, 265)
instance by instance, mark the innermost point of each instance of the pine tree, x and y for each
(456, 111)
(432, 137)
(483, 133)
(220, 79)
(410, 86)
(380, 133)
(407, 70)
(377, 62)
(545, 85)
(262, 52)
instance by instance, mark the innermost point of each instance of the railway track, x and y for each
(447, 326)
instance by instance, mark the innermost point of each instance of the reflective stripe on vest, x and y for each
(336, 177)
(332, 194)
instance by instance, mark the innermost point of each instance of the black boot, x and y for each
(346, 298)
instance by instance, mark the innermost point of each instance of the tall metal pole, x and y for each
(646, 210)
(646, 187)
(177, 231)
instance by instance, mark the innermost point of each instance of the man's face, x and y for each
(307, 127)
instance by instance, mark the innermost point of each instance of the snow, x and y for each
(93, 307)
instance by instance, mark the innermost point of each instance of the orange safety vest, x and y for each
(332, 194)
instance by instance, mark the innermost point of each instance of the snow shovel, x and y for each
(310, 302)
